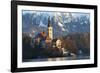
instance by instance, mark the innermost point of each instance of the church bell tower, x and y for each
(50, 29)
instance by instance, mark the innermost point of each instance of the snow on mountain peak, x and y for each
(63, 29)
(60, 24)
(41, 24)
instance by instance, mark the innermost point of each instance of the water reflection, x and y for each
(74, 57)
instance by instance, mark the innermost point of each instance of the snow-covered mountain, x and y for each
(62, 23)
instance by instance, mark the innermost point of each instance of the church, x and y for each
(49, 37)
(46, 40)
(45, 37)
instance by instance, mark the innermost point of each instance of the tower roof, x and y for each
(49, 21)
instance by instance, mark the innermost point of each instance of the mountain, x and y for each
(62, 23)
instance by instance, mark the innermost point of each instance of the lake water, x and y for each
(57, 59)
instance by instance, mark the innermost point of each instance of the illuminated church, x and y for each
(46, 37)
(50, 29)
(49, 37)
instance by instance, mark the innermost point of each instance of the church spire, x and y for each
(50, 29)
(49, 21)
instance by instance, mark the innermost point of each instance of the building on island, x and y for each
(49, 37)
(50, 29)
(46, 38)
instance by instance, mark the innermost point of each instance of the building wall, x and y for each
(50, 32)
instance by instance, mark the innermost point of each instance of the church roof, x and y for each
(43, 34)
(49, 22)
